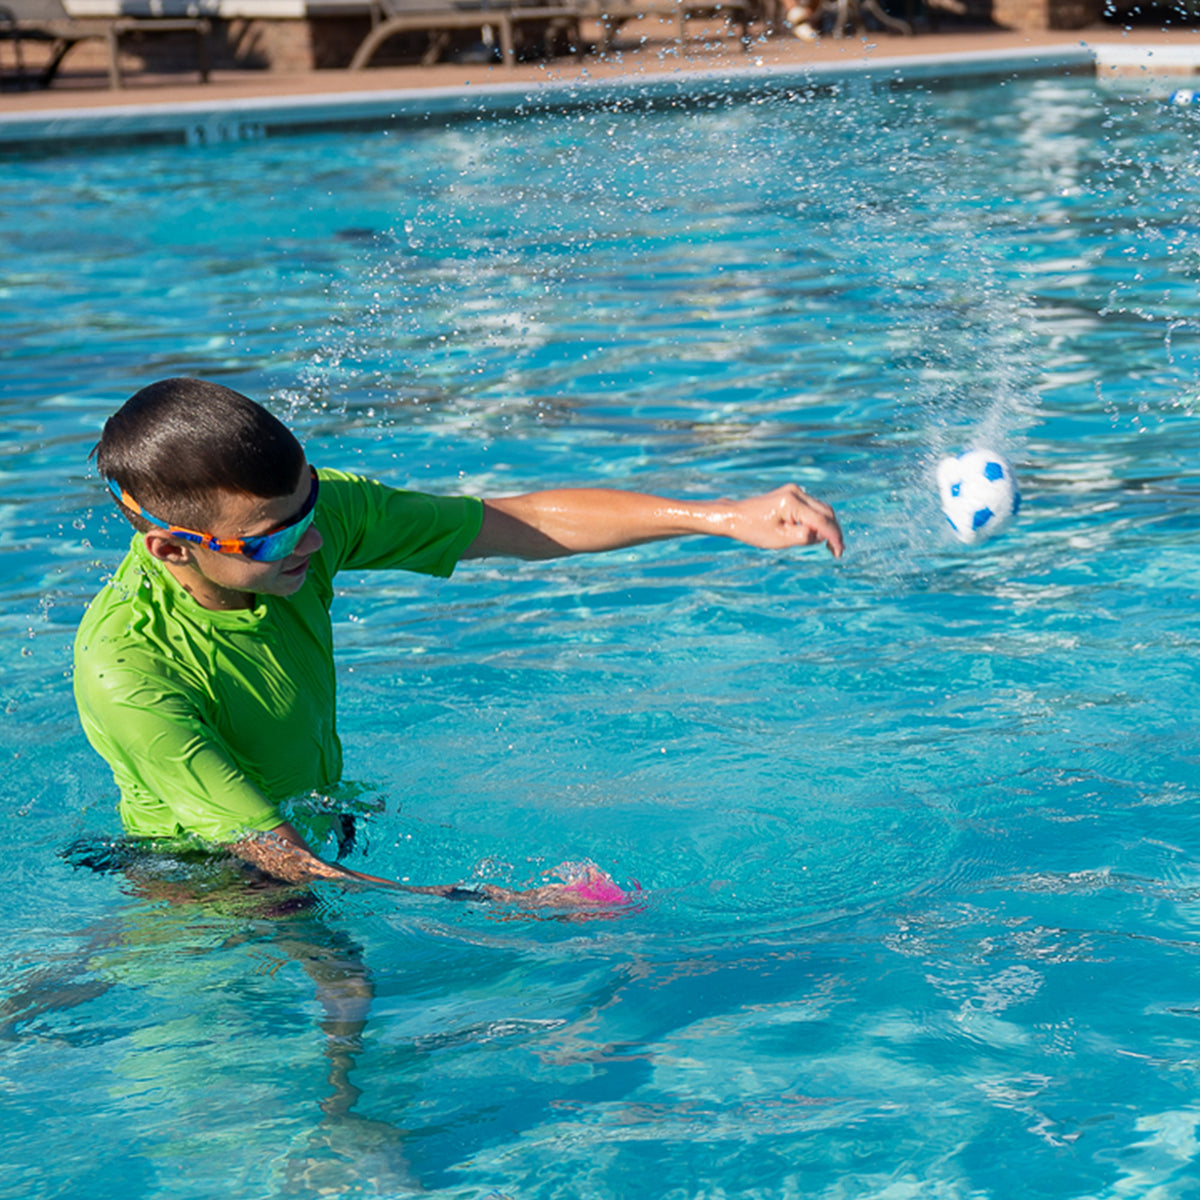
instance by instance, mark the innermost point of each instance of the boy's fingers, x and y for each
(829, 532)
(812, 502)
(819, 517)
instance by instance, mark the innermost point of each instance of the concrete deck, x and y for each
(1135, 51)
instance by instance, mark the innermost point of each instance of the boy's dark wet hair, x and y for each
(176, 443)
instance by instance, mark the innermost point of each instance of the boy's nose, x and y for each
(310, 543)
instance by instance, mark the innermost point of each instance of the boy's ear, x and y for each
(167, 549)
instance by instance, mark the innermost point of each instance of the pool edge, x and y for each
(251, 118)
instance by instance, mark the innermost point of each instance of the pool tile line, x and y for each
(205, 122)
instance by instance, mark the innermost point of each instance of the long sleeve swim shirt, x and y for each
(209, 720)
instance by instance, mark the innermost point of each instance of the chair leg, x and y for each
(57, 53)
(114, 58)
(202, 53)
(888, 22)
(743, 23)
(507, 54)
(19, 61)
(370, 44)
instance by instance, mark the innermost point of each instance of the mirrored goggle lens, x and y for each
(274, 546)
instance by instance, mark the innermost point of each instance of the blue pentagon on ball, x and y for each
(979, 494)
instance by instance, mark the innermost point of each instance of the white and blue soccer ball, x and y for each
(979, 494)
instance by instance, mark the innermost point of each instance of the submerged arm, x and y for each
(283, 854)
(566, 521)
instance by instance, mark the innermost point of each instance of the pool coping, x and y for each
(205, 122)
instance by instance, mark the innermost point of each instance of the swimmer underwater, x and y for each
(204, 670)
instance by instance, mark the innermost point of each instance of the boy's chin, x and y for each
(288, 581)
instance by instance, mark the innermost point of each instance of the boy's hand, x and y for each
(788, 516)
(549, 895)
(565, 521)
(585, 886)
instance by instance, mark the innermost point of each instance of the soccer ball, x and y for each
(979, 494)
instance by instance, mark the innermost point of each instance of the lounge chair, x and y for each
(391, 17)
(47, 23)
(612, 14)
(500, 25)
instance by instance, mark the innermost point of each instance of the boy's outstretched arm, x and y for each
(283, 854)
(567, 521)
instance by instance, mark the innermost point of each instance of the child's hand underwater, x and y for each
(587, 887)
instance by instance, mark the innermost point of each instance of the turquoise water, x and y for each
(915, 829)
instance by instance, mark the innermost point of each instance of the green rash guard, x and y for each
(210, 719)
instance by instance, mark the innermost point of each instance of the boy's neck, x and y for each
(208, 594)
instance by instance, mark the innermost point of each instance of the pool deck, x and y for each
(1137, 52)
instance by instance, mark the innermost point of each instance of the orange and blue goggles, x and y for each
(267, 547)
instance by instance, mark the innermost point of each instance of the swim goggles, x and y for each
(268, 547)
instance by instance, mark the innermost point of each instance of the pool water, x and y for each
(915, 830)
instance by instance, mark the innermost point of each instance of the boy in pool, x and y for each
(204, 669)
